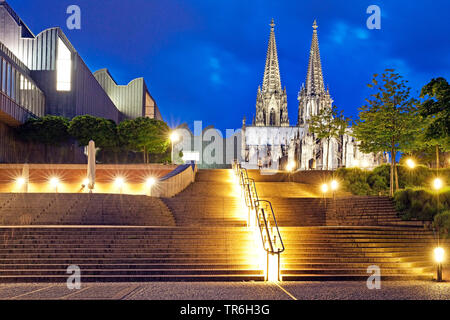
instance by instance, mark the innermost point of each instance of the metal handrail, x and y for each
(253, 202)
(267, 227)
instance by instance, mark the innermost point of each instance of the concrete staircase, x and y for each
(365, 211)
(199, 235)
(213, 200)
(82, 209)
(42, 254)
(345, 253)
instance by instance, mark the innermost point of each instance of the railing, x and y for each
(262, 216)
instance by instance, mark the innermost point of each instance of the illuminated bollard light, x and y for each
(439, 255)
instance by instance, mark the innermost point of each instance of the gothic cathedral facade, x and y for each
(271, 142)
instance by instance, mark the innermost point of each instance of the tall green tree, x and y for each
(389, 122)
(436, 111)
(144, 135)
(48, 130)
(329, 123)
(102, 131)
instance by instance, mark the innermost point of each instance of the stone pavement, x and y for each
(229, 291)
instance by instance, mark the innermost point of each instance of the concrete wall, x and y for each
(176, 181)
(71, 177)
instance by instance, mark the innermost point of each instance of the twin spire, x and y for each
(314, 79)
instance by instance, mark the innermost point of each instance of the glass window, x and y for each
(4, 76)
(8, 81)
(13, 84)
(21, 90)
(63, 67)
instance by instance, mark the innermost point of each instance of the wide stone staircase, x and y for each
(201, 235)
(43, 254)
(82, 209)
(345, 253)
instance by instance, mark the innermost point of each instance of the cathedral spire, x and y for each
(314, 78)
(272, 79)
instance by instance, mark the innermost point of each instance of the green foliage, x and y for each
(421, 204)
(327, 124)
(102, 131)
(437, 108)
(376, 182)
(354, 180)
(49, 130)
(144, 135)
(442, 222)
(389, 121)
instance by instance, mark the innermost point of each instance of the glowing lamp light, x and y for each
(334, 185)
(410, 163)
(273, 272)
(174, 137)
(290, 166)
(119, 182)
(85, 182)
(364, 164)
(439, 254)
(324, 188)
(355, 163)
(437, 184)
(20, 181)
(54, 182)
(150, 182)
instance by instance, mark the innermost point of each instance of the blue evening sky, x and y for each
(204, 59)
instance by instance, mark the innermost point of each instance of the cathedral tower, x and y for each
(271, 100)
(313, 96)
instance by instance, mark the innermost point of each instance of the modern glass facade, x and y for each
(18, 86)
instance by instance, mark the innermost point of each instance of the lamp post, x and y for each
(334, 186)
(411, 164)
(438, 252)
(173, 138)
(437, 185)
(439, 258)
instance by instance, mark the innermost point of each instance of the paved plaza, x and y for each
(339, 290)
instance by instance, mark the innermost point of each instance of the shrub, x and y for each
(442, 222)
(420, 204)
(360, 182)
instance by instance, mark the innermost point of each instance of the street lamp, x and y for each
(173, 138)
(410, 163)
(334, 186)
(437, 184)
(439, 255)
(290, 166)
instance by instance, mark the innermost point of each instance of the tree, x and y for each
(436, 110)
(102, 131)
(48, 130)
(327, 124)
(389, 121)
(144, 135)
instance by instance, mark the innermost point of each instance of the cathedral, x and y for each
(271, 142)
